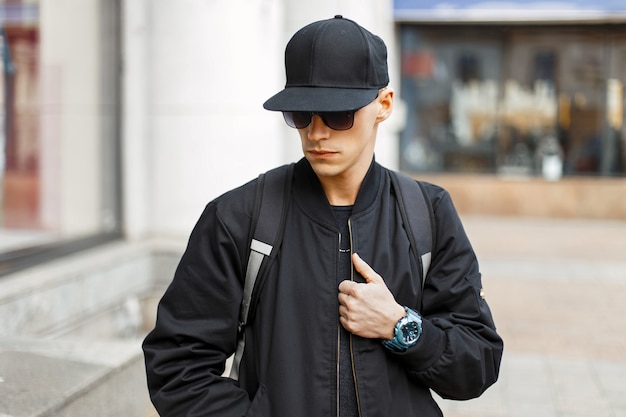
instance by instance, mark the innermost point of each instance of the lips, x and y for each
(317, 154)
(321, 152)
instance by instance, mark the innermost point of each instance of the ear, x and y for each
(385, 101)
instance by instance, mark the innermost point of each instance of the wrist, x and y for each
(398, 313)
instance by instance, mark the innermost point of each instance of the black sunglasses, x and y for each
(336, 120)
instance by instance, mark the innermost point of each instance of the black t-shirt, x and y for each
(347, 393)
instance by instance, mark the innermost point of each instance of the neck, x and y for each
(342, 190)
(340, 194)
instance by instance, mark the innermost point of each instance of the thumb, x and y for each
(365, 270)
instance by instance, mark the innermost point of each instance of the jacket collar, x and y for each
(308, 192)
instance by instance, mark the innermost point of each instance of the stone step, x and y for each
(72, 378)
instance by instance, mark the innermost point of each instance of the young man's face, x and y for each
(345, 154)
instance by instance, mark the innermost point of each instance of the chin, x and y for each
(324, 169)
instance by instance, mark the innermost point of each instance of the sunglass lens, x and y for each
(340, 120)
(297, 119)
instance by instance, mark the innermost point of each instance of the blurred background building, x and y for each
(121, 119)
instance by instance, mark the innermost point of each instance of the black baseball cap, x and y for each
(332, 65)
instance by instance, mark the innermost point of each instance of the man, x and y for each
(342, 326)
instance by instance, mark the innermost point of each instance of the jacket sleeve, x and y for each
(196, 328)
(459, 353)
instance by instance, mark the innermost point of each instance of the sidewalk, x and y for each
(556, 288)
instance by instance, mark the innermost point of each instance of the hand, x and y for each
(368, 309)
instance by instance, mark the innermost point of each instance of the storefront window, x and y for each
(58, 124)
(514, 100)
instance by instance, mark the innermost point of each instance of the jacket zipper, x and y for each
(338, 370)
(338, 339)
(356, 387)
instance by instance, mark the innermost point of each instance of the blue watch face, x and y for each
(410, 332)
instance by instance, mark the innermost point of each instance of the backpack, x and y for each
(272, 196)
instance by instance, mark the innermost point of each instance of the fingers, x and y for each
(365, 270)
(344, 319)
(343, 296)
(347, 287)
(351, 287)
(348, 313)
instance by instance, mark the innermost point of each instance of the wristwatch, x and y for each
(406, 333)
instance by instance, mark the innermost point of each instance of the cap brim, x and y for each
(318, 99)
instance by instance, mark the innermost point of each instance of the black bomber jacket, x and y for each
(289, 368)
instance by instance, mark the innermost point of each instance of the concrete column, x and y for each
(211, 67)
(136, 90)
(71, 105)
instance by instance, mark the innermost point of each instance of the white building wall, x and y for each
(196, 76)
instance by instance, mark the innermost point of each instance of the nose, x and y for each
(318, 129)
